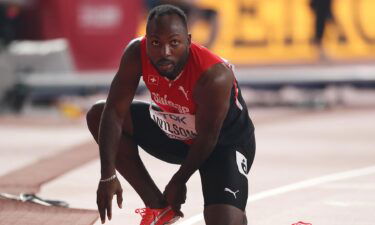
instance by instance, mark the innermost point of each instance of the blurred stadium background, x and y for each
(57, 57)
(54, 49)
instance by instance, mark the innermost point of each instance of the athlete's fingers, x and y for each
(109, 207)
(101, 210)
(177, 209)
(181, 199)
(119, 198)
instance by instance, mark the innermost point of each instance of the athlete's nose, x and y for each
(166, 50)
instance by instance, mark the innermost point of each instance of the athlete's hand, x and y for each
(175, 194)
(104, 196)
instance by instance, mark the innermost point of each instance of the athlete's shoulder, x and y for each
(134, 45)
(132, 56)
(132, 52)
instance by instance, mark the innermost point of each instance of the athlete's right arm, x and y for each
(120, 96)
(117, 106)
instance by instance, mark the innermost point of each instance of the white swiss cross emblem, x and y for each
(152, 79)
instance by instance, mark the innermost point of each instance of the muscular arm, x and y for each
(120, 96)
(212, 95)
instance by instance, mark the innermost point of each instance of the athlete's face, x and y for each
(168, 45)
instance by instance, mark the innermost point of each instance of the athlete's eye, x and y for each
(155, 43)
(175, 42)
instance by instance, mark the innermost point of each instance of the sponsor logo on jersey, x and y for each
(181, 88)
(164, 101)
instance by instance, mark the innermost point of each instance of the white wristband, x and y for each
(108, 179)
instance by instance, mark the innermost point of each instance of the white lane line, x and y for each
(296, 186)
(349, 204)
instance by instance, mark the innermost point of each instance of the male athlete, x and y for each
(197, 119)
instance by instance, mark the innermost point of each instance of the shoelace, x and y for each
(145, 213)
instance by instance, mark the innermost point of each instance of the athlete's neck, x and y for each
(174, 77)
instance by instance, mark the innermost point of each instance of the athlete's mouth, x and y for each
(165, 65)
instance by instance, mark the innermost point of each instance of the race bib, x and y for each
(176, 126)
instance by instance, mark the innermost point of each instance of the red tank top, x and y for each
(175, 99)
(176, 96)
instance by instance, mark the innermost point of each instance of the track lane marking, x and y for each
(296, 186)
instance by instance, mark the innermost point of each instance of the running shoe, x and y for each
(157, 216)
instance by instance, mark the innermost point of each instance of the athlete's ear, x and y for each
(189, 38)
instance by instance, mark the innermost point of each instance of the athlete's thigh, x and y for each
(224, 214)
(224, 175)
(148, 135)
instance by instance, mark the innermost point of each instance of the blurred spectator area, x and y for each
(54, 48)
(47, 46)
(246, 32)
(97, 31)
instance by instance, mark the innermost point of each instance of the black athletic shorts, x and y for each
(223, 174)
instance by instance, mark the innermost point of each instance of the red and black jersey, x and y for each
(176, 97)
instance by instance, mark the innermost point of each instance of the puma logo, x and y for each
(232, 192)
(183, 92)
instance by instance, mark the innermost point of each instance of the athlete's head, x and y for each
(167, 39)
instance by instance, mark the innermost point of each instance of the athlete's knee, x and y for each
(94, 114)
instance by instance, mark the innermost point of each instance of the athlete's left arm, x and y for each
(212, 96)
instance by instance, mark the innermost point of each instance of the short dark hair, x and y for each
(166, 9)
